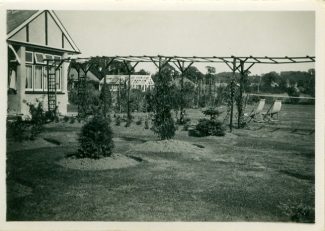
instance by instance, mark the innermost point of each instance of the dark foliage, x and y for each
(118, 120)
(96, 139)
(212, 112)
(66, 119)
(18, 130)
(139, 121)
(163, 123)
(294, 92)
(207, 127)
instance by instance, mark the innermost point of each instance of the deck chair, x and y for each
(273, 110)
(256, 111)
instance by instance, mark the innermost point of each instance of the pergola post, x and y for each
(181, 66)
(103, 67)
(232, 94)
(129, 70)
(240, 97)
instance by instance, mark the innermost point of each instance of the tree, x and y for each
(210, 79)
(270, 82)
(163, 123)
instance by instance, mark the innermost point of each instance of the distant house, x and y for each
(73, 78)
(32, 37)
(141, 82)
(186, 81)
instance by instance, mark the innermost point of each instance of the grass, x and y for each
(250, 175)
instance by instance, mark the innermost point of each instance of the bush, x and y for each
(207, 127)
(212, 112)
(72, 120)
(38, 119)
(66, 119)
(96, 139)
(164, 125)
(139, 122)
(118, 120)
(18, 130)
(293, 92)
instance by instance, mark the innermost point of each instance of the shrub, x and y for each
(18, 129)
(118, 120)
(96, 139)
(164, 125)
(66, 119)
(186, 127)
(207, 127)
(38, 119)
(128, 123)
(72, 120)
(212, 112)
(139, 122)
(293, 92)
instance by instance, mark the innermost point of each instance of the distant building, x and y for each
(141, 82)
(32, 37)
(73, 78)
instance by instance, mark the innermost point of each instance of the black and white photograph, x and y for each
(162, 115)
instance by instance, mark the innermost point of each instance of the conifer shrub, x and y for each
(118, 120)
(96, 139)
(164, 125)
(207, 127)
(139, 121)
(72, 120)
(66, 119)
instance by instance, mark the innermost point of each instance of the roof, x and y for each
(17, 17)
(90, 75)
(17, 20)
(135, 79)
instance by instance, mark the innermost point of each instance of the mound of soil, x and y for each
(169, 146)
(115, 161)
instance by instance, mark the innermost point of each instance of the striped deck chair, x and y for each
(273, 110)
(256, 111)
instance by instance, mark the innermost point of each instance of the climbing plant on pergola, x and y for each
(240, 64)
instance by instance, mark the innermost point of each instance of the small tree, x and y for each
(96, 138)
(163, 123)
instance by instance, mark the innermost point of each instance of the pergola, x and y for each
(237, 64)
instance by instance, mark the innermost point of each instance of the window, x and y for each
(36, 72)
(45, 78)
(39, 58)
(38, 80)
(29, 57)
(29, 77)
(57, 57)
(58, 79)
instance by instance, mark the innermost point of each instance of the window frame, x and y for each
(29, 62)
(32, 79)
(36, 61)
(44, 77)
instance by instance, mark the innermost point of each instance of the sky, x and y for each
(195, 33)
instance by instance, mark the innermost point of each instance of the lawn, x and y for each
(262, 173)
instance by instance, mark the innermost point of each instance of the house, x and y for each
(34, 36)
(141, 82)
(90, 77)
